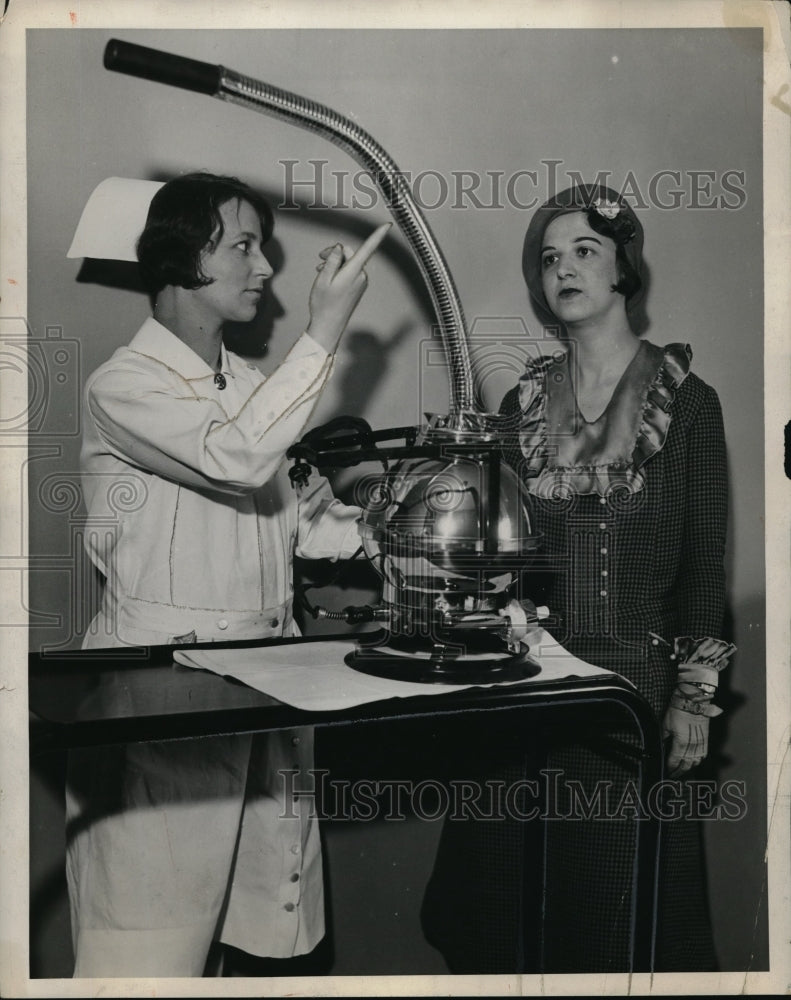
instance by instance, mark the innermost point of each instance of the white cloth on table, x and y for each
(314, 677)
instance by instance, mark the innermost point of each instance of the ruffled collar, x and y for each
(566, 454)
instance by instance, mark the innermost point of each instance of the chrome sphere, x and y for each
(458, 527)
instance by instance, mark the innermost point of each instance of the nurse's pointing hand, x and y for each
(338, 288)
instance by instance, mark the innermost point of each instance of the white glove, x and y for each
(686, 725)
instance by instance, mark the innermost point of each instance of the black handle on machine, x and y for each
(162, 67)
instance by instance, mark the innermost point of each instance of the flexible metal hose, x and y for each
(235, 88)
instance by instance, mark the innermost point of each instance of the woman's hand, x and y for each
(688, 734)
(686, 723)
(339, 287)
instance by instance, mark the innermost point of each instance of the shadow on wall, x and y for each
(365, 352)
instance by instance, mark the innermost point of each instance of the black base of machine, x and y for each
(410, 662)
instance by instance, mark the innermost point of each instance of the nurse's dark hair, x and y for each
(183, 220)
(621, 231)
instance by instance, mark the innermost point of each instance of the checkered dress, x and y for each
(652, 563)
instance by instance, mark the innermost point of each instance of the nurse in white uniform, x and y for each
(174, 846)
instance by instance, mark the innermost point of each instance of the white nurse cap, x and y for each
(113, 219)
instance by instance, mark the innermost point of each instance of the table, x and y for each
(116, 696)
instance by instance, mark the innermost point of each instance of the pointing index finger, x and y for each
(365, 251)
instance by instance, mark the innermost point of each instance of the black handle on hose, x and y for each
(162, 67)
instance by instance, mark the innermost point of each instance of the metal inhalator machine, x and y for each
(447, 524)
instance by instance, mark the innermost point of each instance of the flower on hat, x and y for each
(609, 209)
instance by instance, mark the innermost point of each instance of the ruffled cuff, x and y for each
(700, 660)
(656, 416)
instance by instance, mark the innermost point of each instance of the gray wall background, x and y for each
(630, 102)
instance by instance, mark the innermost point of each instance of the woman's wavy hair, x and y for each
(621, 231)
(183, 220)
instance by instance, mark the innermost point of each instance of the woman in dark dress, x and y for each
(622, 448)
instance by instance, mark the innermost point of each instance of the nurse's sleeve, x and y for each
(159, 422)
(327, 528)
